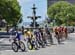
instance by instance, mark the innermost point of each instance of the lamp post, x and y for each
(34, 17)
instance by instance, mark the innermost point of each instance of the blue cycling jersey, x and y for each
(18, 35)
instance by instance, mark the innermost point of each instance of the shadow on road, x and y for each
(71, 39)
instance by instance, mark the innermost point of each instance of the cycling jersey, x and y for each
(65, 30)
(37, 34)
(56, 31)
(60, 29)
(18, 35)
(28, 34)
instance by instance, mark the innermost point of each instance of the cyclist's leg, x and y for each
(51, 39)
(30, 41)
(18, 40)
(26, 40)
(58, 38)
(66, 35)
(36, 41)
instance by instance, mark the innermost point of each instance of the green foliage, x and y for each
(10, 11)
(63, 12)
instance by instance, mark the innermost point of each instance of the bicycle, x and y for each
(16, 45)
(31, 44)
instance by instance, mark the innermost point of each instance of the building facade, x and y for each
(50, 2)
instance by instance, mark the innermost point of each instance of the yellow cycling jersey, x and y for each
(28, 34)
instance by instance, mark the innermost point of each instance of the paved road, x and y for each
(68, 48)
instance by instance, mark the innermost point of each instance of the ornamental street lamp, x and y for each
(34, 17)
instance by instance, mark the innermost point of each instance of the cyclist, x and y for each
(43, 39)
(29, 37)
(18, 34)
(38, 37)
(57, 34)
(56, 31)
(17, 41)
(61, 32)
(47, 30)
(65, 31)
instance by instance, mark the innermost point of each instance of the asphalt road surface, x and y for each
(68, 48)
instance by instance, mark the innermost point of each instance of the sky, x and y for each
(26, 10)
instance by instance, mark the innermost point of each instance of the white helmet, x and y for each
(25, 30)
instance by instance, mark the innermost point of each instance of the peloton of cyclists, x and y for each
(60, 33)
(39, 37)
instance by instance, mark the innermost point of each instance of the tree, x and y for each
(63, 12)
(10, 11)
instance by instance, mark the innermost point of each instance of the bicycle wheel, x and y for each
(30, 47)
(22, 46)
(14, 47)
